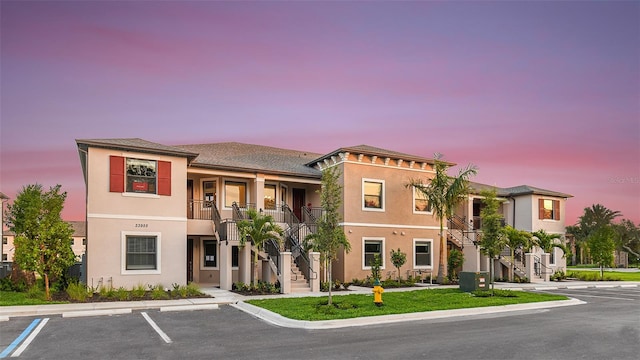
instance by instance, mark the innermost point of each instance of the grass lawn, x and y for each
(359, 305)
(11, 298)
(594, 275)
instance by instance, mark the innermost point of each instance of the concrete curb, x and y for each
(189, 307)
(279, 320)
(109, 312)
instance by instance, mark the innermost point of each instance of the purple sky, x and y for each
(539, 93)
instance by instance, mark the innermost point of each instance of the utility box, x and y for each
(472, 281)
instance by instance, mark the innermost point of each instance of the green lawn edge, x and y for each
(361, 305)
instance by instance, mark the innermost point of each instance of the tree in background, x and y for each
(601, 246)
(259, 229)
(493, 238)
(330, 236)
(444, 193)
(42, 239)
(398, 258)
(594, 217)
(628, 238)
(515, 239)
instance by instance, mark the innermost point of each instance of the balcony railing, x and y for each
(200, 210)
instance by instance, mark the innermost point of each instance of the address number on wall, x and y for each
(142, 225)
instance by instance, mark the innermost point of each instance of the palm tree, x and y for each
(258, 229)
(594, 218)
(443, 194)
(547, 242)
(515, 239)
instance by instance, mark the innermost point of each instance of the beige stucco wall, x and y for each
(111, 216)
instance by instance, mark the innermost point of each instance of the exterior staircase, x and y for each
(298, 283)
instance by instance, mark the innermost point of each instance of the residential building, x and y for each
(78, 241)
(159, 214)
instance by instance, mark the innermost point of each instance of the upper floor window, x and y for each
(373, 194)
(548, 209)
(235, 192)
(209, 193)
(420, 202)
(134, 175)
(4, 240)
(269, 197)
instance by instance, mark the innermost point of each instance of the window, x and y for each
(4, 257)
(234, 256)
(548, 209)
(141, 253)
(209, 253)
(141, 176)
(552, 256)
(209, 193)
(420, 202)
(371, 248)
(269, 197)
(373, 194)
(422, 254)
(73, 241)
(133, 175)
(84, 242)
(235, 192)
(4, 240)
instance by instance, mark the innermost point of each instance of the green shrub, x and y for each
(193, 290)
(122, 294)
(158, 293)
(77, 291)
(138, 291)
(35, 292)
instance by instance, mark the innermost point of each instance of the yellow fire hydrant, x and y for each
(377, 293)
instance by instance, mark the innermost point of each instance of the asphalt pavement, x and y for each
(223, 297)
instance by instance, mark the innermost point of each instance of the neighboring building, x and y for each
(78, 241)
(160, 214)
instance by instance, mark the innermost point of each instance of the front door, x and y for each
(298, 202)
(189, 260)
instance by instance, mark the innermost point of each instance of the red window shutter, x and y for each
(116, 174)
(540, 209)
(556, 210)
(164, 178)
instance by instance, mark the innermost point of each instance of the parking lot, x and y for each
(611, 313)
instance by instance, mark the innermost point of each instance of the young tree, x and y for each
(444, 193)
(330, 236)
(594, 217)
(601, 245)
(398, 258)
(493, 239)
(454, 261)
(514, 239)
(259, 229)
(42, 239)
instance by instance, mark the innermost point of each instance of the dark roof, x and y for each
(253, 158)
(520, 190)
(372, 150)
(135, 144)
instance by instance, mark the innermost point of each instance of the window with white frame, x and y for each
(209, 254)
(423, 255)
(141, 252)
(371, 247)
(372, 194)
(548, 209)
(269, 197)
(420, 202)
(235, 191)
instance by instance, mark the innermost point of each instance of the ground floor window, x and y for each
(422, 254)
(371, 248)
(141, 253)
(210, 253)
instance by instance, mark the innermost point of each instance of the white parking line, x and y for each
(28, 340)
(157, 328)
(594, 296)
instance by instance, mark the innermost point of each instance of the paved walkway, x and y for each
(223, 297)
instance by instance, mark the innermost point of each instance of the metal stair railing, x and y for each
(459, 230)
(540, 269)
(295, 231)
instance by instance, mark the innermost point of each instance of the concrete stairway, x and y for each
(298, 283)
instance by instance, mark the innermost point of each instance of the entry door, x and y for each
(189, 199)
(189, 260)
(298, 202)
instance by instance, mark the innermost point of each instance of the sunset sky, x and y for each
(539, 93)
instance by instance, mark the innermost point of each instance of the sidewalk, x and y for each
(224, 297)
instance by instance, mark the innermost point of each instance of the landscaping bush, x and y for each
(77, 291)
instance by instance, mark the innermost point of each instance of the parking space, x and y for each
(605, 293)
